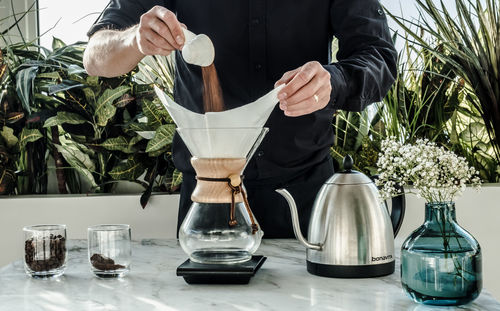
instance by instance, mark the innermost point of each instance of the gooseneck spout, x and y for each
(295, 221)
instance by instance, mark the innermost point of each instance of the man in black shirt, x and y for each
(258, 45)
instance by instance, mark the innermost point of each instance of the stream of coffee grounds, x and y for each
(212, 92)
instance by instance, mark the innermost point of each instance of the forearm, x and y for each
(111, 53)
(366, 66)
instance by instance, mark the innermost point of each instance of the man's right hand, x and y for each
(111, 53)
(159, 32)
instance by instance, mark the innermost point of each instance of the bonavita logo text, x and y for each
(381, 258)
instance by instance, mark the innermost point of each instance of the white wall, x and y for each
(68, 20)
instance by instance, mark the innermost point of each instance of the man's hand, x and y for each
(307, 89)
(159, 32)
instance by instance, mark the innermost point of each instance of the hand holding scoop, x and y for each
(198, 49)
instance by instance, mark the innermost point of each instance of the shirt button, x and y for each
(260, 153)
(258, 66)
(380, 12)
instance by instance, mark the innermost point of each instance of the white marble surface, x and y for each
(282, 284)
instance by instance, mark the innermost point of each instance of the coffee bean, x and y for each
(54, 245)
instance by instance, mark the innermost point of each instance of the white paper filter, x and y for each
(226, 134)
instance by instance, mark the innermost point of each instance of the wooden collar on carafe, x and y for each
(219, 181)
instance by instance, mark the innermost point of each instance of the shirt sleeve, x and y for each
(367, 59)
(122, 14)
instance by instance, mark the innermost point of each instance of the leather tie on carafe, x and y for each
(235, 190)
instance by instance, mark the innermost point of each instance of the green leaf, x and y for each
(118, 143)
(140, 127)
(89, 95)
(129, 170)
(9, 137)
(474, 133)
(79, 160)
(93, 80)
(157, 153)
(64, 117)
(135, 140)
(163, 137)
(124, 100)
(57, 43)
(152, 112)
(29, 136)
(105, 109)
(66, 85)
(146, 134)
(47, 99)
(25, 79)
(76, 70)
(50, 75)
(176, 178)
(7, 181)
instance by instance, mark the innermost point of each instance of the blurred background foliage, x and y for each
(447, 90)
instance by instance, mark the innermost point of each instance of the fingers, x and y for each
(169, 18)
(309, 105)
(159, 32)
(153, 49)
(308, 89)
(287, 76)
(305, 92)
(303, 75)
(163, 32)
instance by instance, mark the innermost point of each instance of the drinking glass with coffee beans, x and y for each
(45, 252)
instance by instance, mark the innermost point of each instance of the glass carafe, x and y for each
(220, 227)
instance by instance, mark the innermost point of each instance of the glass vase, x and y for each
(440, 261)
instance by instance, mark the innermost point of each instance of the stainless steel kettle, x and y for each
(351, 233)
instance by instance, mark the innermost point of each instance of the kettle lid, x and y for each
(348, 176)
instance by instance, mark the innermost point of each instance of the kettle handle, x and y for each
(398, 208)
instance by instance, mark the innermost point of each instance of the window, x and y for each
(67, 20)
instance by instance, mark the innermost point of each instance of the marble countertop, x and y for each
(282, 284)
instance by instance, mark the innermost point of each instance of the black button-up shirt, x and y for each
(256, 41)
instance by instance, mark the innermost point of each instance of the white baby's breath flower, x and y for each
(436, 173)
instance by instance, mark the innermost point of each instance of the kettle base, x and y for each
(354, 271)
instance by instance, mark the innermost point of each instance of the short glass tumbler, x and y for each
(45, 252)
(440, 261)
(109, 250)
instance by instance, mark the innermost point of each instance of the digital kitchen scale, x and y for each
(198, 273)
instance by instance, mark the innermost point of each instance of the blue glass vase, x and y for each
(440, 261)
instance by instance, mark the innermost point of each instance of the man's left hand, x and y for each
(307, 89)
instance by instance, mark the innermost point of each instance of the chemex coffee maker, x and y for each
(351, 234)
(220, 234)
(220, 228)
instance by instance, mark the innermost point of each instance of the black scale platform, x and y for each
(197, 273)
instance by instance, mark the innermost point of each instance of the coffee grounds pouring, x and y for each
(212, 92)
